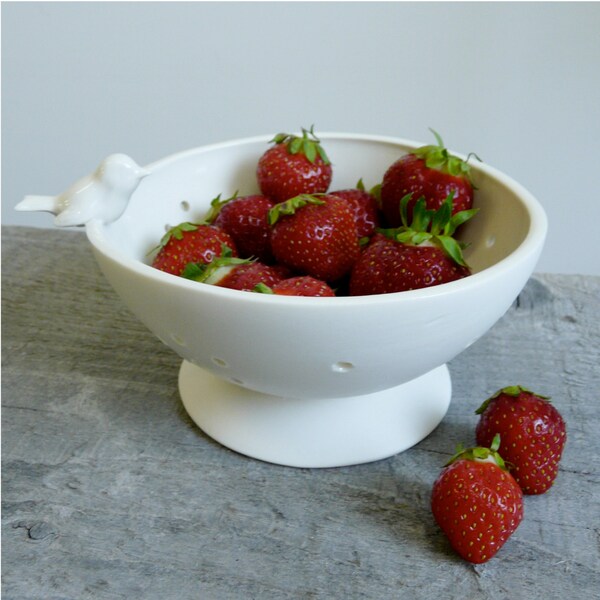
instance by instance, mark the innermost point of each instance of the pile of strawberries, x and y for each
(299, 238)
(478, 498)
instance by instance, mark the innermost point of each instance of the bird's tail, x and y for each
(39, 203)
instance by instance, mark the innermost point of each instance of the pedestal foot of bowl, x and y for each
(316, 433)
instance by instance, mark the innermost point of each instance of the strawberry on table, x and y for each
(294, 165)
(315, 235)
(190, 242)
(245, 219)
(532, 431)
(419, 255)
(234, 273)
(430, 171)
(303, 285)
(477, 503)
(364, 206)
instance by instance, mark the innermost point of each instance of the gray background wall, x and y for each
(518, 83)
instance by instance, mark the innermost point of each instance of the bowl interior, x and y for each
(182, 186)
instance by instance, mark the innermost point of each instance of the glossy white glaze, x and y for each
(328, 432)
(102, 195)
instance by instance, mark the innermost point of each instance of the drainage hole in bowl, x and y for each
(185, 205)
(342, 367)
(220, 362)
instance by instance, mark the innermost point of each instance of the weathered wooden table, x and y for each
(110, 491)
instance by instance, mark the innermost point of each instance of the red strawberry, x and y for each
(245, 219)
(295, 165)
(297, 286)
(477, 503)
(190, 242)
(234, 273)
(533, 435)
(315, 235)
(421, 255)
(364, 206)
(431, 172)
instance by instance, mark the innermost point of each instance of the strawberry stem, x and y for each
(216, 205)
(480, 453)
(176, 232)
(511, 390)
(438, 158)
(202, 272)
(438, 137)
(436, 227)
(289, 207)
(309, 144)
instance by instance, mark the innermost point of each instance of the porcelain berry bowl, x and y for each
(312, 382)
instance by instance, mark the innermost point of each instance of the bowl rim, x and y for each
(532, 243)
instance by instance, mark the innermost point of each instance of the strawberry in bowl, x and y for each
(294, 165)
(428, 171)
(315, 234)
(416, 255)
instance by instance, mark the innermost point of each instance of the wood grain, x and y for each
(109, 490)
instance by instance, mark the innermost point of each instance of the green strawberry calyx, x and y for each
(309, 144)
(512, 390)
(432, 227)
(175, 232)
(480, 454)
(375, 191)
(263, 288)
(216, 204)
(438, 158)
(216, 269)
(289, 207)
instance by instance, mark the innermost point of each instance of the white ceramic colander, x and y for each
(311, 382)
